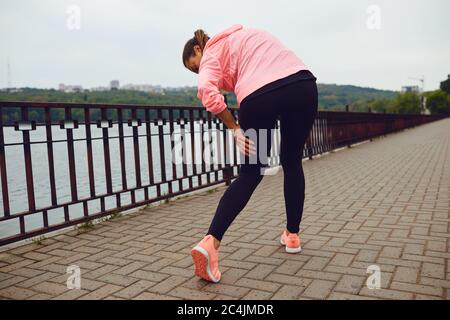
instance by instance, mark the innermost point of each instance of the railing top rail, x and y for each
(77, 105)
(36, 104)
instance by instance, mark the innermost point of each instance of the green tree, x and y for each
(382, 105)
(445, 85)
(438, 102)
(408, 102)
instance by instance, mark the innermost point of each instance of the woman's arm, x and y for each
(208, 92)
(228, 119)
(209, 80)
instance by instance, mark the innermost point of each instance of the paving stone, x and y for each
(102, 292)
(186, 293)
(406, 274)
(433, 270)
(288, 292)
(16, 293)
(135, 289)
(258, 295)
(319, 289)
(230, 290)
(257, 284)
(350, 284)
(168, 284)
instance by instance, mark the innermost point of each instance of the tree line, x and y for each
(331, 97)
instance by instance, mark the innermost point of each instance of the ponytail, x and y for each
(200, 38)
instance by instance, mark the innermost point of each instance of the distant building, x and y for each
(114, 85)
(415, 89)
(77, 88)
(70, 88)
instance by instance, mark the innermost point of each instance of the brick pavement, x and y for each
(383, 203)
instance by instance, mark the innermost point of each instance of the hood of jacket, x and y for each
(223, 34)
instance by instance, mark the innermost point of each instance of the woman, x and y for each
(269, 81)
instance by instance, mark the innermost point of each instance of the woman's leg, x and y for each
(299, 109)
(254, 114)
(232, 202)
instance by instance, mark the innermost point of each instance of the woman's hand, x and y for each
(245, 145)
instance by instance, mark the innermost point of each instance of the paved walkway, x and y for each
(383, 203)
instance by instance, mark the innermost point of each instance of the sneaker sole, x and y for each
(201, 262)
(290, 250)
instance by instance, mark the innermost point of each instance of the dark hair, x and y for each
(200, 38)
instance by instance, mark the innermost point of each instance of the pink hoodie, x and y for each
(242, 60)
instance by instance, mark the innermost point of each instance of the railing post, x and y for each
(347, 109)
(309, 150)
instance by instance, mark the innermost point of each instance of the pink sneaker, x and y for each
(206, 259)
(291, 241)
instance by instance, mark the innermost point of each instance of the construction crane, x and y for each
(423, 100)
(421, 80)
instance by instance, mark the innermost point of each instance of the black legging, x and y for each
(296, 104)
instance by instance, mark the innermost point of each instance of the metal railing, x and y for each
(62, 164)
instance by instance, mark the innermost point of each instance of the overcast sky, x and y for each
(376, 44)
